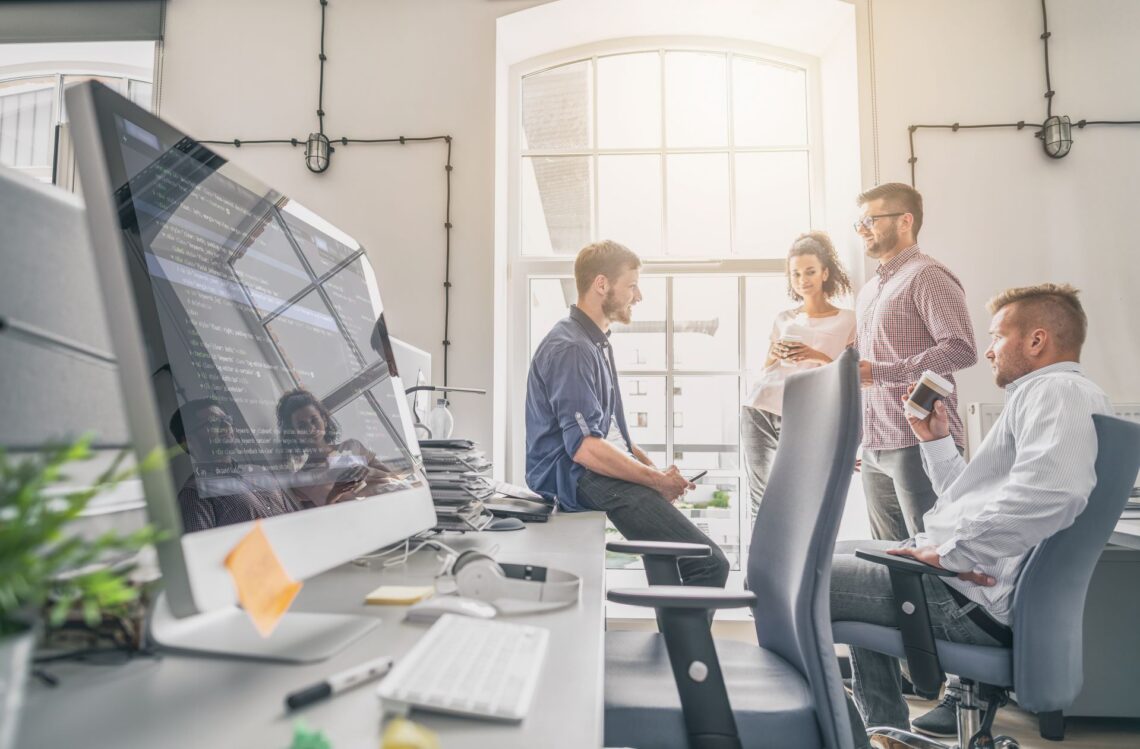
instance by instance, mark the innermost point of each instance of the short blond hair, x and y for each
(1055, 307)
(605, 258)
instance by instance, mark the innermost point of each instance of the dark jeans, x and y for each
(641, 514)
(898, 492)
(861, 592)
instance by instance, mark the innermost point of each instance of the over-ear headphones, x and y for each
(514, 588)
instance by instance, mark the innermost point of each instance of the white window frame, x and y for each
(522, 268)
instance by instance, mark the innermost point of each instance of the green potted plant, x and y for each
(45, 572)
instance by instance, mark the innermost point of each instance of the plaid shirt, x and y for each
(912, 318)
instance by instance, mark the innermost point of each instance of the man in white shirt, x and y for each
(1029, 479)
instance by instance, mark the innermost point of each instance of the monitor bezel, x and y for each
(308, 542)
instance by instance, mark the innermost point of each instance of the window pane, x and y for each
(710, 407)
(705, 326)
(322, 244)
(629, 202)
(313, 346)
(641, 344)
(140, 93)
(696, 99)
(355, 298)
(644, 401)
(115, 84)
(629, 101)
(769, 104)
(713, 508)
(557, 198)
(550, 300)
(698, 205)
(772, 202)
(556, 107)
(764, 297)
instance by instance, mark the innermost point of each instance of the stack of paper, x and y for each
(456, 472)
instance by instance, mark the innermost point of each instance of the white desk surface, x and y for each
(1127, 533)
(180, 701)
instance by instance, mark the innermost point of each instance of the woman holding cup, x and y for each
(809, 335)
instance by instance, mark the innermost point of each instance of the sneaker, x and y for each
(942, 721)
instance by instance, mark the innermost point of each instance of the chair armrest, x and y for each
(912, 616)
(659, 548)
(660, 557)
(682, 597)
(903, 564)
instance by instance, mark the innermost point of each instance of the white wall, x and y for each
(998, 211)
(400, 67)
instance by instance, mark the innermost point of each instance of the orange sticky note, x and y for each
(264, 588)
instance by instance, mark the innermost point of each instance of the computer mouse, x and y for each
(434, 608)
(505, 524)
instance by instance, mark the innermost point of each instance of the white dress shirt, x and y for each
(1029, 478)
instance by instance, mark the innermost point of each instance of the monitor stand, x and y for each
(299, 637)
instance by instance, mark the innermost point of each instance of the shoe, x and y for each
(942, 721)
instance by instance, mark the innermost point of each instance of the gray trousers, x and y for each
(861, 592)
(898, 492)
(641, 514)
(759, 433)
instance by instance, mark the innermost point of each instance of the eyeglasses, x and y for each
(868, 221)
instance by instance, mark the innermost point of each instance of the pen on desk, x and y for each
(338, 683)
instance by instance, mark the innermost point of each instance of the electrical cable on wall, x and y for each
(318, 158)
(1055, 132)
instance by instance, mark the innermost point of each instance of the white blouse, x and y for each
(831, 335)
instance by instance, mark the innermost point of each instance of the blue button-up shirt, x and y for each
(571, 393)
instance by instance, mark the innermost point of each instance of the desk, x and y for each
(180, 701)
(1127, 533)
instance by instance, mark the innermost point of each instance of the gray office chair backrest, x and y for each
(1049, 604)
(789, 567)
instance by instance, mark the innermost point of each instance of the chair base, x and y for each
(912, 740)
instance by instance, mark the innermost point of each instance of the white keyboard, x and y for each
(474, 667)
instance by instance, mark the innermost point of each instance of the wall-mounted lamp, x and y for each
(1057, 136)
(317, 152)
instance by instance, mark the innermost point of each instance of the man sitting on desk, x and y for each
(1030, 478)
(578, 447)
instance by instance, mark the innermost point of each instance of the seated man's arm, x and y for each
(601, 456)
(1049, 484)
(640, 454)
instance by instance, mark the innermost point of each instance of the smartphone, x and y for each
(698, 477)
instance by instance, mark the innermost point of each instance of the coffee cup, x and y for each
(930, 387)
(790, 338)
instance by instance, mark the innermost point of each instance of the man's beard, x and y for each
(1010, 370)
(884, 244)
(614, 311)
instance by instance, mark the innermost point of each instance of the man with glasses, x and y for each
(222, 490)
(910, 317)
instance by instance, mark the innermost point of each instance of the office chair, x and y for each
(1044, 666)
(680, 688)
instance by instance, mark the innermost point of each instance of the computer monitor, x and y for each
(250, 331)
(414, 366)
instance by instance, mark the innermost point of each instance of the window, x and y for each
(700, 160)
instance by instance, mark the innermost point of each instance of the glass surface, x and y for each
(698, 205)
(140, 92)
(773, 202)
(556, 107)
(115, 84)
(641, 344)
(322, 244)
(550, 300)
(644, 401)
(714, 508)
(769, 104)
(705, 323)
(629, 202)
(696, 99)
(556, 202)
(764, 298)
(629, 101)
(217, 256)
(709, 406)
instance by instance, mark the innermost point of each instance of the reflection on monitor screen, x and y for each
(266, 337)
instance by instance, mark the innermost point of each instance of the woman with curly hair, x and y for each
(809, 335)
(326, 471)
